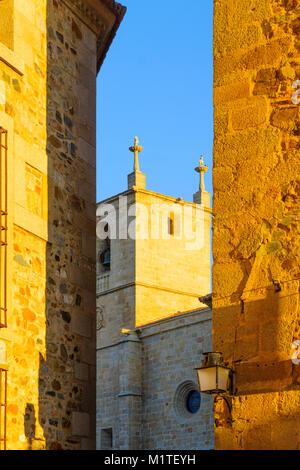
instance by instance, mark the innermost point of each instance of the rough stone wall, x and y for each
(47, 105)
(71, 273)
(23, 114)
(138, 381)
(255, 247)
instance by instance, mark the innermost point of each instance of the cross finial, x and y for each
(136, 148)
(201, 169)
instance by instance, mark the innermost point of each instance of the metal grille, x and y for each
(3, 407)
(3, 228)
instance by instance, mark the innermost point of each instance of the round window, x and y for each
(187, 400)
(193, 401)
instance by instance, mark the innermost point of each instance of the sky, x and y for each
(156, 83)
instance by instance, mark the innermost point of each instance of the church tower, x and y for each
(153, 264)
(153, 254)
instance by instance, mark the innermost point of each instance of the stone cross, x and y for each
(201, 169)
(136, 148)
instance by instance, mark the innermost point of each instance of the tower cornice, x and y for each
(103, 17)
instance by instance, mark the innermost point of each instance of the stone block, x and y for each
(285, 118)
(81, 371)
(88, 354)
(87, 132)
(254, 142)
(223, 94)
(246, 348)
(265, 55)
(227, 277)
(80, 424)
(81, 323)
(87, 152)
(88, 245)
(261, 376)
(82, 278)
(136, 179)
(268, 89)
(89, 301)
(222, 178)
(87, 59)
(220, 119)
(87, 444)
(253, 114)
(87, 78)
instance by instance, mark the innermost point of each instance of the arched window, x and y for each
(105, 252)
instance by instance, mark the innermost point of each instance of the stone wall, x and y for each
(171, 271)
(116, 296)
(47, 104)
(171, 349)
(256, 185)
(71, 146)
(143, 379)
(23, 111)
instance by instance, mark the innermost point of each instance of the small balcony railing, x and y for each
(102, 283)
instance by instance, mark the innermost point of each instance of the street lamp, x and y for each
(214, 377)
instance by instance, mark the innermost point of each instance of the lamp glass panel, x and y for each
(223, 375)
(207, 379)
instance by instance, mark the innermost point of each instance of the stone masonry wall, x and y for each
(23, 115)
(71, 273)
(160, 289)
(139, 378)
(47, 104)
(171, 349)
(115, 287)
(255, 247)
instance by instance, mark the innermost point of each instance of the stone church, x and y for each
(151, 328)
(153, 265)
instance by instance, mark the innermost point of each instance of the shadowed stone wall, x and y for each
(255, 246)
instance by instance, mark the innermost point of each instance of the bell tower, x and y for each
(153, 254)
(153, 264)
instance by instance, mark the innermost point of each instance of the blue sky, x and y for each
(156, 83)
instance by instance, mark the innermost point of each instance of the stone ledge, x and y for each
(11, 59)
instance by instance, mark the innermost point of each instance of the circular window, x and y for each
(187, 400)
(193, 401)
